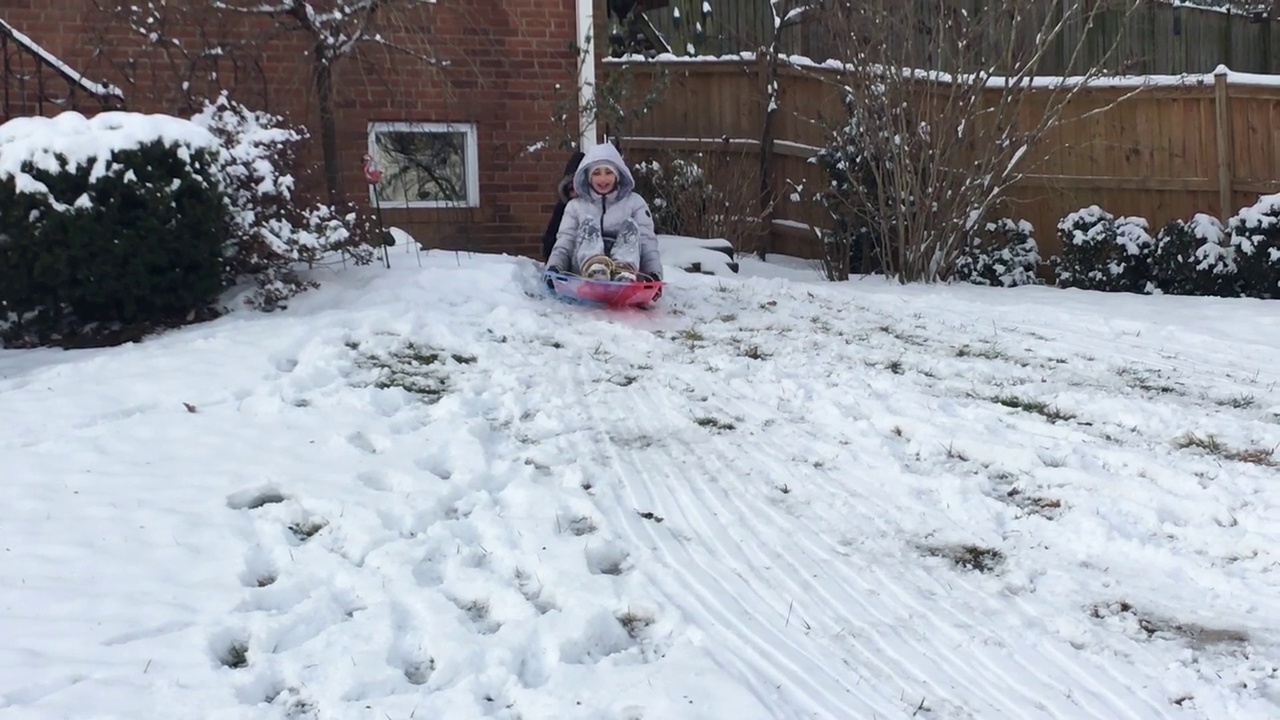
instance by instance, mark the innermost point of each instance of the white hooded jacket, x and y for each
(609, 211)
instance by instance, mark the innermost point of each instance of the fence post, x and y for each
(1222, 115)
(770, 82)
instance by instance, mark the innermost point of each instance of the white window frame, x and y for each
(471, 163)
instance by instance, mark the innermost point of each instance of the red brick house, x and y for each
(472, 107)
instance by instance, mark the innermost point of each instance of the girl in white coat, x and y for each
(607, 230)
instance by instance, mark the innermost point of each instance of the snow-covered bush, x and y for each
(1103, 252)
(677, 192)
(106, 223)
(702, 195)
(1193, 258)
(273, 234)
(1255, 239)
(850, 197)
(1003, 254)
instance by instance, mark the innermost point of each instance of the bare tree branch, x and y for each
(944, 114)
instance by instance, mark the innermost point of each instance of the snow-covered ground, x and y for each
(439, 494)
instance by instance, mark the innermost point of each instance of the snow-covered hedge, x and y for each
(1196, 257)
(1003, 254)
(126, 218)
(1255, 242)
(105, 223)
(273, 234)
(1102, 252)
(1193, 258)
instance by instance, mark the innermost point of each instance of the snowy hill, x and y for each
(437, 493)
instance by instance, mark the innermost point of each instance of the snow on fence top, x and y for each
(992, 81)
(71, 140)
(98, 89)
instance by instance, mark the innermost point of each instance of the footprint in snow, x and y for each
(533, 591)
(601, 636)
(362, 442)
(436, 465)
(429, 572)
(407, 652)
(491, 695)
(477, 611)
(323, 610)
(374, 480)
(254, 498)
(605, 557)
(534, 661)
(230, 648)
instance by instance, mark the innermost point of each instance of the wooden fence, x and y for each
(1161, 152)
(1157, 38)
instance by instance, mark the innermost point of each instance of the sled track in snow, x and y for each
(813, 626)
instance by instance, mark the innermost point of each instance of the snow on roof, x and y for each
(72, 140)
(98, 89)
(994, 81)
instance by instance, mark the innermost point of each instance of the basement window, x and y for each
(425, 164)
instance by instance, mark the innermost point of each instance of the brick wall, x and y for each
(504, 65)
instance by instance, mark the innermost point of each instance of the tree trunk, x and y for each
(328, 126)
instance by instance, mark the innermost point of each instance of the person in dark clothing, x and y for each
(565, 193)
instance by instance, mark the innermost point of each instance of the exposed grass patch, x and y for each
(647, 515)
(418, 673)
(968, 557)
(1045, 507)
(727, 317)
(987, 352)
(691, 335)
(580, 526)
(415, 368)
(623, 380)
(1156, 627)
(1053, 461)
(308, 529)
(894, 366)
(634, 623)
(1239, 402)
(235, 655)
(1052, 413)
(753, 352)
(713, 423)
(901, 336)
(1212, 445)
(956, 453)
(1147, 381)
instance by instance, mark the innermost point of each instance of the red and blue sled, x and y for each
(609, 293)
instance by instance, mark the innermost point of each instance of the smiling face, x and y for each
(603, 179)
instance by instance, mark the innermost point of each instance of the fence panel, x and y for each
(1160, 152)
(1156, 39)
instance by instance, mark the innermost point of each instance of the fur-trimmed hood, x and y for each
(604, 153)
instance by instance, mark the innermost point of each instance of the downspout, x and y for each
(586, 74)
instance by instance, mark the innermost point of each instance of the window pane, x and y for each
(422, 166)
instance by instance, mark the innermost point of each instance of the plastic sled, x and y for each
(609, 293)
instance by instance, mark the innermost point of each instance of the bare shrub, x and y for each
(942, 117)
